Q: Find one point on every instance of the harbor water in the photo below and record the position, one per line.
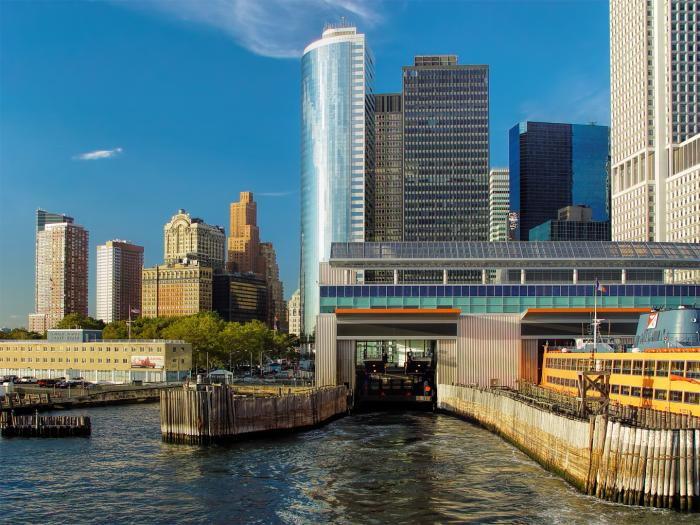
(368, 468)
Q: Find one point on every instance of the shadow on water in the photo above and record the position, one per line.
(372, 467)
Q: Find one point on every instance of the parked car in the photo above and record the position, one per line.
(47, 382)
(10, 379)
(28, 380)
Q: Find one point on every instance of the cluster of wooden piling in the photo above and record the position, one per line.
(632, 455)
(44, 426)
(217, 413)
(15, 401)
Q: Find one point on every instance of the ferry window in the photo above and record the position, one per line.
(626, 367)
(692, 397)
(660, 395)
(607, 365)
(662, 368)
(647, 393)
(625, 390)
(693, 369)
(636, 368)
(676, 396)
(616, 366)
(678, 368)
(636, 391)
(649, 368)
(615, 389)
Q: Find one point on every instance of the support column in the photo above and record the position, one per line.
(575, 276)
(444, 277)
(396, 276)
(484, 276)
(623, 279)
(522, 276)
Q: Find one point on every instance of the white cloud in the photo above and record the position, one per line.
(273, 28)
(99, 154)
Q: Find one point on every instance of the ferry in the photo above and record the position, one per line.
(661, 370)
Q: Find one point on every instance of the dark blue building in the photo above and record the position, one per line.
(555, 165)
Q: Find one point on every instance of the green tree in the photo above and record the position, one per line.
(76, 320)
(202, 331)
(20, 334)
(116, 330)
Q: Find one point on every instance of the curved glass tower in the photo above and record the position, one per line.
(337, 73)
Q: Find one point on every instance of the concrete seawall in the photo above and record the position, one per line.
(609, 459)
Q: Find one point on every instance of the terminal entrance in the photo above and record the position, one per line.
(399, 372)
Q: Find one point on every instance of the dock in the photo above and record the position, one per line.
(44, 426)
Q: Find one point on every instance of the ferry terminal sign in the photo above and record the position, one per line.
(147, 361)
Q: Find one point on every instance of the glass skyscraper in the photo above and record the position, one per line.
(555, 165)
(337, 73)
(446, 150)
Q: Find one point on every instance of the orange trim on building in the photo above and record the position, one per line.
(398, 311)
(606, 310)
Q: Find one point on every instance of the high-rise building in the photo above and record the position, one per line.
(191, 238)
(337, 74)
(554, 165)
(294, 314)
(244, 235)
(118, 280)
(446, 150)
(61, 271)
(573, 224)
(176, 289)
(655, 120)
(388, 168)
(241, 297)
(499, 204)
(277, 315)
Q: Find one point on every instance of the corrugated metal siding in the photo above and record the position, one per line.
(346, 363)
(488, 349)
(446, 361)
(326, 355)
(528, 360)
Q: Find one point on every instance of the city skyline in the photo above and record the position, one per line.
(87, 132)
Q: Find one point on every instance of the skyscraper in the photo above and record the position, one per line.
(388, 168)
(118, 280)
(446, 150)
(244, 235)
(555, 165)
(337, 73)
(499, 204)
(277, 315)
(655, 120)
(61, 270)
(191, 238)
(176, 289)
(294, 314)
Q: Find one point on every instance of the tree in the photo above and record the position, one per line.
(116, 330)
(76, 320)
(202, 331)
(20, 334)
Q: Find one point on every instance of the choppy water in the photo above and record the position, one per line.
(372, 468)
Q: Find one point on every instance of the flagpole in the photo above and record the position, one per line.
(129, 323)
(595, 321)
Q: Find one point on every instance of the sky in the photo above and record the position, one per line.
(119, 113)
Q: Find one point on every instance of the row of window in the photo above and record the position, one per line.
(37, 348)
(635, 367)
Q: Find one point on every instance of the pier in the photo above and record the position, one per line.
(44, 426)
(212, 413)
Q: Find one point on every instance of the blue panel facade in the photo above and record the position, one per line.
(590, 158)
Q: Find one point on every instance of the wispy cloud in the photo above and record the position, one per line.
(275, 193)
(99, 154)
(273, 28)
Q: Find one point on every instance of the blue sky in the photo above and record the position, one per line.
(193, 102)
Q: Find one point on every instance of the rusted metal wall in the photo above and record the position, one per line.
(488, 350)
(528, 360)
(446, 361)
(326, 353)
(346, 363)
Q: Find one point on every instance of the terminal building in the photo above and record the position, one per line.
(83, 353)
(492, 330)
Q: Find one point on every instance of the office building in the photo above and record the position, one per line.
(294, 314)
(573, 224)
(553, 165)
(191, 238)
(277, 314)
(61, 271)
(388, 168)
(176, 289)
(446, 150)
(244, 235)
(118, 281)
(337, 134)
(241, 297)
(655, 106)
(499, 204)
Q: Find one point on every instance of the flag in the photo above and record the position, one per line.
(599, 287)
(681, 378)
(135, 311)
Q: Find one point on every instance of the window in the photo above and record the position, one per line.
(615, 389)
(636, 368)
(693, 370)
(660, 395)
(647, 393)
(616, 366)
(636, 391)
(625, 390)
(626, 367)
(692, 398)
(676, 396)
(662, 369)
(678, 368)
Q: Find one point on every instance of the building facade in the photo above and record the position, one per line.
(446, 150)
(117, 361)
(337, 74)
(499, 204)
(574, 223)
(388, 168)
(241, 297)
(553, 165)
(176, 290)
(244, 235)
(277, 308)
(655, 111)
(118, 280)
(191, 238)
(294, 314)
(61, 271)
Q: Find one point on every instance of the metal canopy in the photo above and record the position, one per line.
(515, 254)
